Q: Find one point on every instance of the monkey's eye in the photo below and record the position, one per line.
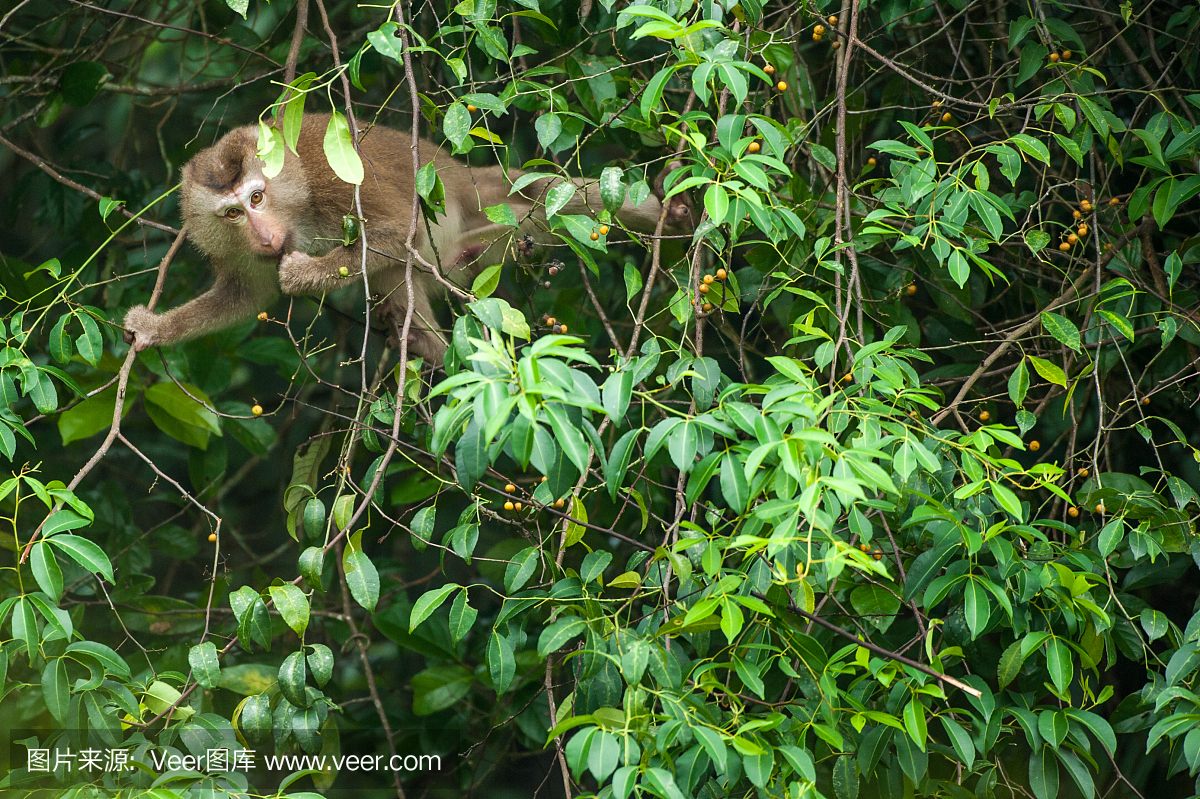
(233, 213)
(256, 197)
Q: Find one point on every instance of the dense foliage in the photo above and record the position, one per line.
(882, 483)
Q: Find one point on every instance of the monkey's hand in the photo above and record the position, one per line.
(141, 328)
(301, 273)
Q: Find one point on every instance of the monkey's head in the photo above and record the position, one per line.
(233, 211)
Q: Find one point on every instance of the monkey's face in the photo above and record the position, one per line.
(233, 211)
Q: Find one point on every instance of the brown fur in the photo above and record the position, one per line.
(270, 246)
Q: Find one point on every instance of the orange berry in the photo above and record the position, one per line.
(1072, 511)
(782, 86)
(262, 316)
(849, 376)
(1034, 446)
(543, 478)
(818, 29)
(754, 147)
(832, 20)
(870, 162)
(708, 279)
(1145, 400)
(1115, 201)
(595, 236)
(604, 230)
(1066, 55)
(817, 37)
(877, 555)
(1072, 239)
(937, 103)
(562, 328)
(1076, 214)
(1082, 230)
(471, 108)
(836, 45)
(864, 547)
(910, 289)
(704, 288)
(1054, 58)
(508, 489)
(508, 505)
(946, 117)
(1082, 472)
(1064, 247)
(722, 274)
(212, 538)
(1100, 508)
(257, 410)
(770, 70)
(985, 415)
(706, 307)
(518, 506)
(1085, 206)
(560, 502)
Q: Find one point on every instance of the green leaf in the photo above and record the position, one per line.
(559, 196)
(1033, 56)
(292, 605)
(339, 150)
(612, 188)
(1062, 329)
(429, 602)
(501, 663)
(618, 461)
(180, 416)
(1032, 147)
(206, 667)
(1036, 240)
(85, 553)
(488, 280)
(462, 617)
(501, 214)
(594, 564)
(1048, 371)
(362, 578)
(1059, 664)
(559, 633)
(617, 391)
(46, 570)
(1119, 322)
(1018, 384)
(439, 687)
(1043, 773)
(55, 689)
(548, 128)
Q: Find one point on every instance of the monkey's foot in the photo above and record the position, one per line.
(141, 328)
(300, 274)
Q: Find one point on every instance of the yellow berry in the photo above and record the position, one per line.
(817, 37)
(1082, 472)
(257, 410)
(1072, 238)
(343, 271)
(1114, 201)
(1145, 400)
(832, 19)
(1082, 231)
(1100, 508)
(708, 279)
(543, 478)
(1085, 206)
(510, 488)
(1066, 55)
(754, 147)
(551, 321)
(1034, 446)
(508, 505)
(1064, 247)
(870, 162)
(1076, 214)
(864, 547)
(595, 236)
(849, 376)
(604, 230)
(471, 108)
(910, 289)
(560, 502)
(836, 45)
(937, 103)
(518, 506)
(1054, 58)
(984, 416)
(818, 29)
(706, 307)
(212, 538)
(767, 68)
(782, 86)
(262, 316)
(722, 274)
(704, 288)
(946, 117)
(877, 555)
(1072, 511)
(562, 328)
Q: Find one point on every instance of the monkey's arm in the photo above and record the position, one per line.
(228, 302)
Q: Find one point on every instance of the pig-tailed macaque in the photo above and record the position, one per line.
(285, 233)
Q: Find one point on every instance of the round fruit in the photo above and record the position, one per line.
(818, 29)
(817, 37)
(595, 236)
(471, 108)
(1072, 238)
(1082, 472)
(770, 70)
(546, 285)
(1076, 214)
(1145, 400)
(1114, 201)
(984, 416)
(706, 307)
(550, 320)
(212, 538)
(849, 376)
(1072, 511)
(864, 547)
(832, 20)
(262, 316)
(553, 271)
(1100, 508)
(604, 230)
(1054, 58)
(543, 478)
(560, 502)
(709, 279)
(870, 162)
(1034, 446)
(1066, 55)
(1064, 247)
(257, 410)
(836, 45)
(946, 117)
(754, 147)
(508, 489)
(562, 328)
(343, 271)
(508, 505)
(722, 274)
(782, 86)
(704, 288)
(937, 103)
(910, 289)
(877, 555)
(518, 506)
(1082, 231)
(1085, 206)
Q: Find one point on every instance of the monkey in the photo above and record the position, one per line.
(265, 236)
